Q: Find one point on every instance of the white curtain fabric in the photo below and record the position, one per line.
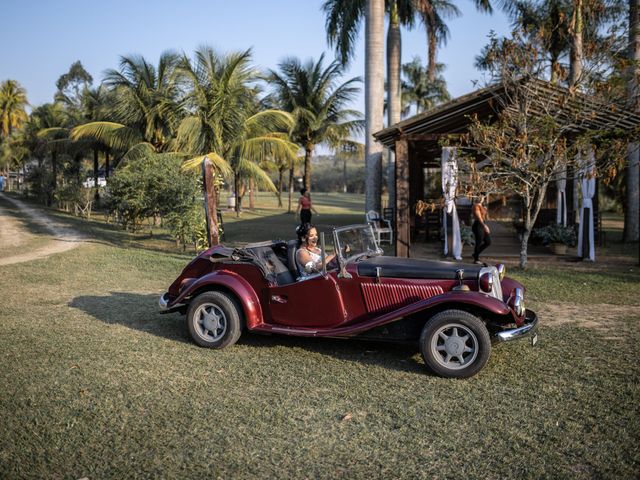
(561, 186)
(449, 185)
(588, 189)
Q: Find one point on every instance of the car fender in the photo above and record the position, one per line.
(234, 283)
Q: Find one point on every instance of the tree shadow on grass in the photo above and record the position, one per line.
(140, 312)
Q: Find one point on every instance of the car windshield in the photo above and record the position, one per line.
(356, 241)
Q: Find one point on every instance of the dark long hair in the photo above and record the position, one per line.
(302, 231)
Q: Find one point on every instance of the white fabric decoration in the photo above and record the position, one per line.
(449, 185)
(561, 186)
(588, 187)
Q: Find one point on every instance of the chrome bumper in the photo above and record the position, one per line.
(164, 300)
(528, 329)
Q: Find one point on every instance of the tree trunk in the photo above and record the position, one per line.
(237, 183)
(280, 186)
(555, 71)
(106, 163)
(252, 187)
(289, 210)
(54, 177)
(394, 94)
(576, 31)
(308, 154)
(433, 48)
(95, 173)
(210, 203)
(374, 99)
(344, 175)
(530, 216)
(632, 210)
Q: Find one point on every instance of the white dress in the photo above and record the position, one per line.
(316, 258)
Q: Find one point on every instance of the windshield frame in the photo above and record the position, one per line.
(356, 256)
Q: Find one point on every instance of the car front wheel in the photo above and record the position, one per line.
(214, 320)
(455, 344)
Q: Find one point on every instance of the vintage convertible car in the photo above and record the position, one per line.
(454, 311)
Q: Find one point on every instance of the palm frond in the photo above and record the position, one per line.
(114, 135)
(249, 169)
(219, 163)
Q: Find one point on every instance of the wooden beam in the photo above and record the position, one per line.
(403, 207)
(429, 137)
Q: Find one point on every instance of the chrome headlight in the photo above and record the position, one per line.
(517, 302)
(502, 270)
(485, 282)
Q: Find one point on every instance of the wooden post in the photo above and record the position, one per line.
(210, 202)
(403, 208)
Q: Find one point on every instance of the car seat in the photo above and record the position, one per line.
(292, 248)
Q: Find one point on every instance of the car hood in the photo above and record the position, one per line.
(396, 267)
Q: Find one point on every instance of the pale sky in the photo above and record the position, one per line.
(41, 39)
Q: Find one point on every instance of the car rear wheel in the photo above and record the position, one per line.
(214, 320)
(455, 344)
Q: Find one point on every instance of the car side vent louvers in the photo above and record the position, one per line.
(381, 297)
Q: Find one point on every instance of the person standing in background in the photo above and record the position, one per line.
(481, 231)
(305, 207)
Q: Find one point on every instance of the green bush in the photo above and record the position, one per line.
(153, 186)
(554, 233)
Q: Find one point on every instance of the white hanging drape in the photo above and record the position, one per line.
(449, 185)
(588, 188)
(561, 186)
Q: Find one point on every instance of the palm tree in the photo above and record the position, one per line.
(420, 90)
(226, 122)
(343, 23)
(374, 92)
(147, 111)
(54, 128)
(433, 14)
(311, 93)
(13, 101)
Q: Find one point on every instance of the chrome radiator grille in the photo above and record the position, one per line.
(379, 297)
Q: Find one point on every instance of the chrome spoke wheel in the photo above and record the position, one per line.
(454, 346)
(210, 322)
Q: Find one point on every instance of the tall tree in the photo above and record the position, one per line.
(316, 99)
(420, 90)
(373, 93)
(632, 210)
(344, 18)
(54, 129)
(148, 111)
(226, 122)
(433, 14)
(72, 88)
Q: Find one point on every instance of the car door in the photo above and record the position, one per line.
(313, 302)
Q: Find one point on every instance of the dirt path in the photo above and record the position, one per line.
(12, 234)
(602, 317)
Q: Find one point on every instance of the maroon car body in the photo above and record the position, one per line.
(455, 311)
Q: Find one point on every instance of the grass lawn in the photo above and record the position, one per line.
(97, 384)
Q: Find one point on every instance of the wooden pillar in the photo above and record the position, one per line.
(403, 208)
